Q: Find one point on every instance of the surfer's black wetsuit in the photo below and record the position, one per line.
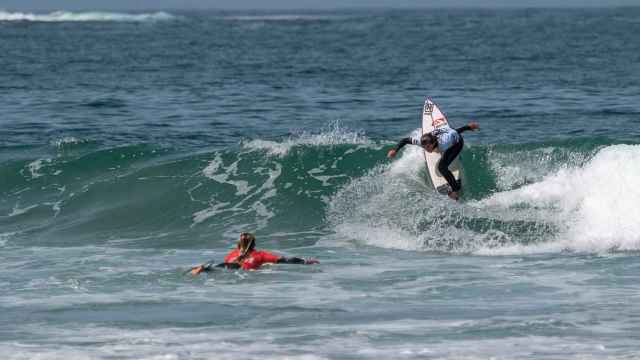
(447, 156)
(446, 160)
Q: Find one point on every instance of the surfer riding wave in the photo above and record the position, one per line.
(445, 140)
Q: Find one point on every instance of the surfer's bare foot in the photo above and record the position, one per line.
(454, 195)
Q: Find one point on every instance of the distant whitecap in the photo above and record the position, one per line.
(68, 16)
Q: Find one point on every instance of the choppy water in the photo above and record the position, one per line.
(134, 146)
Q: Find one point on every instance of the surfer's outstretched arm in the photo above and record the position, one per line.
(470, 126)
(401, 144)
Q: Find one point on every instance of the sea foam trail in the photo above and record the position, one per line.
(383, 207)
(67, 16)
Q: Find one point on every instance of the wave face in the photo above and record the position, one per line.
(84, 194)
(564, 196)
(68, 16)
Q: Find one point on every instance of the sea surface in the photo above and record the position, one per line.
(136, 145)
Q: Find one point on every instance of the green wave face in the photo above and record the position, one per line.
(300, 191)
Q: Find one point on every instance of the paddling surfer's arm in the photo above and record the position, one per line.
(295, 260)
(222, 265)
(235, 266)
(210, 267)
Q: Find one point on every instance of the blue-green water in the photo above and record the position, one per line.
(134, 146)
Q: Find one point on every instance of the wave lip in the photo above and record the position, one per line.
(335, 134)
(68, 16)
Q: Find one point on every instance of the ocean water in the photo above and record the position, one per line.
(136, 145)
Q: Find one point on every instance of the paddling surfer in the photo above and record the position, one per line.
(246, 257)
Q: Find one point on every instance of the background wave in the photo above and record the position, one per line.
(68, 16)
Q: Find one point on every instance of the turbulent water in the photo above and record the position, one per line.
(136, 145)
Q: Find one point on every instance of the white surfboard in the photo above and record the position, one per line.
(433, 118)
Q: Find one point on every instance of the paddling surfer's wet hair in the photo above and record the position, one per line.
(245, 245)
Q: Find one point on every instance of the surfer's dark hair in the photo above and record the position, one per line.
(427, 139)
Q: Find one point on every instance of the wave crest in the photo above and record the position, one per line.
(335, 134)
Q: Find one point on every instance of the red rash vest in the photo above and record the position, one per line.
(253, 260)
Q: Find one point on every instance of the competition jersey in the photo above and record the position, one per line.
(254, 259)
(447, 137)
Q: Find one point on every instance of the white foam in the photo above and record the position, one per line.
(335, 134)
(324, 179)
(590, 207)
(517, 168)
(382, 236)
(212, 167)
(35, 166)
(242, 186)
(213, 210)
(256, 206)
(268, 191)
(55, 206)
(595, 205)
(20, 211)
(6, 236)
(68, 16)
(272, 147)
(232, 342)
(68, 141)
(384, 207)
